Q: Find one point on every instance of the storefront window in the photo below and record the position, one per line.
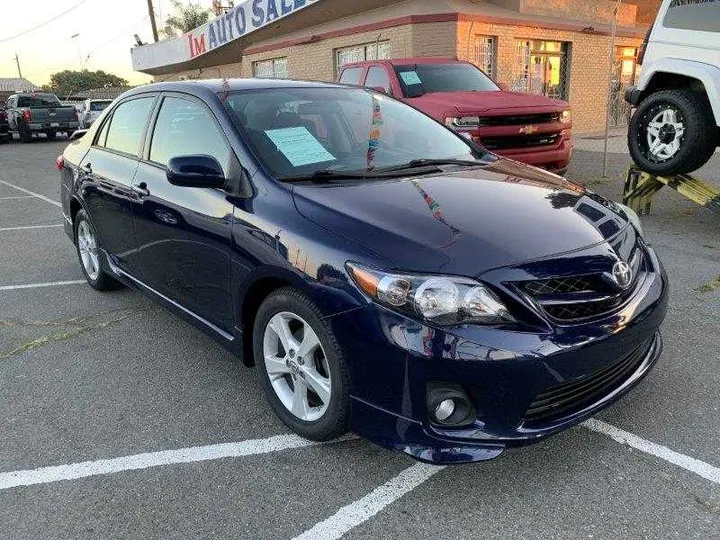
(624, 72)
(275, 68)
(361, 53)
(485, 54)
(542, 67)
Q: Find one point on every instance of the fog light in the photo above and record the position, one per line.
(444, 410)
(448, 405)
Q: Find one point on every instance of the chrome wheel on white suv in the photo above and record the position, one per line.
(672, 132)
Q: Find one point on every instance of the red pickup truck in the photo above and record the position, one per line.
(527, 127)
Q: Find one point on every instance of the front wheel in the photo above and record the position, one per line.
(670, 132)
(89, 255)
(301, 366)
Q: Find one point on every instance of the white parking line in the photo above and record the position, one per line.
(46, 475)
(17, 197)
(707, 471)
(39, 285)
(30, 227)
(355, 513)
(43, 197)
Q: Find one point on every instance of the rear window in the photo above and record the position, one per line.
(429, 78)
(351, 76)
(693, 15)
(99, 105)
(38, 101)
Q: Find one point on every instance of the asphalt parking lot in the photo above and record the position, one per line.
(119, 420)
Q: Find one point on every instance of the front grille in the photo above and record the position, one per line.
(519, 120)
(561, 285)
(572, 299)
(518, 141)
(567, 398)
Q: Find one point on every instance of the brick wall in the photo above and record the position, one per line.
(588, 64)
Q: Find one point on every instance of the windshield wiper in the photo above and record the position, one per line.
(325, 175)
(415, 163)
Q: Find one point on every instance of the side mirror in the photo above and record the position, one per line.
(195, 171)
(504, 87)
(77, 134)
(383, 90)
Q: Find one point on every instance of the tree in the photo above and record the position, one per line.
(187, 17)
(70, 82)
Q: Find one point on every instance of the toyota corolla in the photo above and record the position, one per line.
(383, 274)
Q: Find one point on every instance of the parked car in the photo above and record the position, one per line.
(90, 111)
(4, 126)
(383, 273)
(32, 113)
(676, 126)
(530, 128)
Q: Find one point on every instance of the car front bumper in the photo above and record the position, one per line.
(392, 359)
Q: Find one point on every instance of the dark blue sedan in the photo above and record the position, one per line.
(383, 274)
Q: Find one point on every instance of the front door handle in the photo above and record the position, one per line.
(141, 189)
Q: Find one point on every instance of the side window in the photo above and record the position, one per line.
(127, 125)
(103, 133)
(702, 16)
(351, 75)
(185, 128)
(377, 77)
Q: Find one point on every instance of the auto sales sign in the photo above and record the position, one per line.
(237, 22)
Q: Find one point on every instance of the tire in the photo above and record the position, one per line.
(659, 119)
(51, 135)
(97, 278)
(324, 365)
(5, 139)
(25, 134)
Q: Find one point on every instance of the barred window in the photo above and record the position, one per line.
(361, 53)
(542, 67)
(485, 54)
(275, 68)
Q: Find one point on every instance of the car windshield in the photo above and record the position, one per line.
(99, 105)
(38, 101)
(421, 79)
(302, 132)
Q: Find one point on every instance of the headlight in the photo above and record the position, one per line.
(566, 116)
(462, 122)
(633, 217)
(444, 300)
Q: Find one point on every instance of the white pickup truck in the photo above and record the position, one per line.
(676, 126)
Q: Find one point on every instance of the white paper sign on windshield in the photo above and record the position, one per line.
(410, 77)
(299, 146)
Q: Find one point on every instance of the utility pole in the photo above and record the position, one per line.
(17, 61)
(151, 13)
(613, 32)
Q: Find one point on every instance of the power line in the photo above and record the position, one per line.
(3, 40)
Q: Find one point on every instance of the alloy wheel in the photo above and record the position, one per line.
(297, 366)
(87, 245)
(665, 134)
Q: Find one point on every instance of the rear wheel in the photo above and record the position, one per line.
(669, 132)
(301, 366)
(25, 134)
(89, 255)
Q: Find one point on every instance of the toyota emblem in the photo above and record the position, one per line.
(622, 274)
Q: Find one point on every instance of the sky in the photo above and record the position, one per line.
(105, 29)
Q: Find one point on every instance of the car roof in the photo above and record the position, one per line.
(408, 61)
(205, 86)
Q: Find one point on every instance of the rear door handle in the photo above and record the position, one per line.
(141, 189)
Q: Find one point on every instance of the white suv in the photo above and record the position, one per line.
(675, 127)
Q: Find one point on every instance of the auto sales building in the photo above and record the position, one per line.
(560, 48)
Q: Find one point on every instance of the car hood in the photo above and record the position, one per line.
(479, 103)
(465, 222)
